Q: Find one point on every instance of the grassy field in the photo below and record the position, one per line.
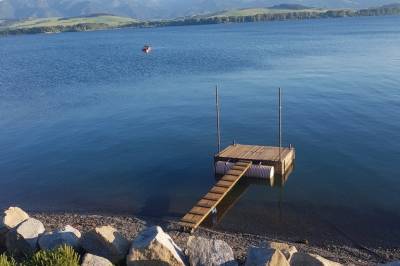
(111, 21)
(260, 11)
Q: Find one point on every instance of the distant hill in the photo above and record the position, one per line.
(106, 21)
(290, 7)
(55, 24)
(287, 12)
(160, 9)
(245, 12)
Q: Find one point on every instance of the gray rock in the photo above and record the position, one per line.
(259, 256)
(9, 219)
(306, 259)
(12, 217)
(286, 250)
(23, 239)
(204, 252)
(93, 260)
(154, 247)
(67, 236)
(106, 242)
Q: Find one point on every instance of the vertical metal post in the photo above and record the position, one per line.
(218, 117)
(280, 122)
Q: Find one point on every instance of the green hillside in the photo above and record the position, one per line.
(54, 24)
(105, 21)
(112, 21)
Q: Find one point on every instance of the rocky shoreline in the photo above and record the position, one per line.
(132, 228)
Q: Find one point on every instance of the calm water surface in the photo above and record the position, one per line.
(88, 123)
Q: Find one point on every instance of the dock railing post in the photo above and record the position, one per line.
(280, 123)
(218, 117)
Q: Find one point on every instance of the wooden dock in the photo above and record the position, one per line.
(280, 158)
(210, 201)
(258, 161)
(243, 157)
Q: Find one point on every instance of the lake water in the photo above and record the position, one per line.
(89, 123)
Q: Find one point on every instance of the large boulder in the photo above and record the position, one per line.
(302, 259)
(260, 256)
(204, 252)
(9, 219)
(106, 242)
(12, 217)
(23, 240)
(286, 250)
(67, 236)
(154, 247)
(93, 260)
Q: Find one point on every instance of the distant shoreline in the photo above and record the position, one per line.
(86, 23)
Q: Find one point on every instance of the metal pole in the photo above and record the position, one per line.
(280, 122)
(218, 122)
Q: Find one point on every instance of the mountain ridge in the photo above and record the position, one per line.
(107, 21)
(157, 9)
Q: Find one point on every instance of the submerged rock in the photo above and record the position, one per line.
(93, 260)
(260, 256)
(154, 247)
(106, 242)
(67, 236)
(23, 240)
(209, 252)
(302, 259)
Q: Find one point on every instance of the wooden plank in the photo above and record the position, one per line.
(250, 152)
(218, 190)
(242, 164)
(226, 150)
(234, 172)
(192, 218)
(239, 168)
(229, 178)
(242, 151)
(253, 153)
(205, 203)
(258, 152)
(222, 183)
(212, 196)
(199, 210)
(237, 151)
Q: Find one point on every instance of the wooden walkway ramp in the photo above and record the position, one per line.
(205, 206)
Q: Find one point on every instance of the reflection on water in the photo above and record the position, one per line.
(275, 217)
(233, 197)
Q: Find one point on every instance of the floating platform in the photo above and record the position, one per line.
(243, 157)
(280, 158)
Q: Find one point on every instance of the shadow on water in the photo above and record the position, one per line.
(277, 218)
(234, 196)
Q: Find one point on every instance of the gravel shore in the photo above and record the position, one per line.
(130, 226)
